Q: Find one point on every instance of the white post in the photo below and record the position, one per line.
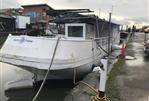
(103, 77)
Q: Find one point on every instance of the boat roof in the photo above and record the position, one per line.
(36, 5)
(63, 16)
(67, 11)
(68, 15)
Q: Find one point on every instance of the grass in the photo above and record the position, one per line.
(112, 89)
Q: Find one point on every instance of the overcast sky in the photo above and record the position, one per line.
(124, 11)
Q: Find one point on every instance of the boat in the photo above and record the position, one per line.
(71, 45)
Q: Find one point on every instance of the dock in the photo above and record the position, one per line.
(87, 89)
(82, 92)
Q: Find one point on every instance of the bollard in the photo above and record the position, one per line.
(122, 54)
(103, 78)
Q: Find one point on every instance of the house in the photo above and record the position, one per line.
(37, 14)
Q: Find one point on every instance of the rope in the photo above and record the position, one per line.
(105, 51)
(91, 87)
(74, 76)
(96, 98)
(44, 80)
(74, 81)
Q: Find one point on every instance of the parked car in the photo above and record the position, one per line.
(146, 30)
(146, 49)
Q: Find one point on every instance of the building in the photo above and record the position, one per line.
(37, 13)
(7, 23)
(11, 20)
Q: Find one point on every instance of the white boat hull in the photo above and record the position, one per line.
(34, 54)
(64, 73)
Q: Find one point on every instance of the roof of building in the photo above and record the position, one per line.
(33, 5)
(6, 17)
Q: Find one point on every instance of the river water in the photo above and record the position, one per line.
(54, 90)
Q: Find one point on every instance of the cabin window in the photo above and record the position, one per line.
(75, 31)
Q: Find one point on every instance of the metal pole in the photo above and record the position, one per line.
(109, 34)
(97, 27)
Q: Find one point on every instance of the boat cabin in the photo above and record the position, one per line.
(75, 24)
(71, 24)
(75, 31)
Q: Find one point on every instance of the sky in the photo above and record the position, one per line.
(125, 12)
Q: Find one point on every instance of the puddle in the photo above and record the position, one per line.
(136, 62)
(130, 58)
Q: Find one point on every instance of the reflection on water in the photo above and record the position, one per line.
(20, 95)
(54, 90)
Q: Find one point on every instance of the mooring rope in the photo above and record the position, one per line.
(97, 98)
(44, 80)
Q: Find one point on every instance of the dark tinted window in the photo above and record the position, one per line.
(75, 31)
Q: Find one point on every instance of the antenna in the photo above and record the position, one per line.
(109, 34)
(99, 12)
(112, 8)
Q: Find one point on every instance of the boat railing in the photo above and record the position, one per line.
(103, 41)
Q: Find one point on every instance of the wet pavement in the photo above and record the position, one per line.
(134, 84)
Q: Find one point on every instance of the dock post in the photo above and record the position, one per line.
(122, 54)
(103, 78)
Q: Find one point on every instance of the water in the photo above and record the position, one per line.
(54, 90)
